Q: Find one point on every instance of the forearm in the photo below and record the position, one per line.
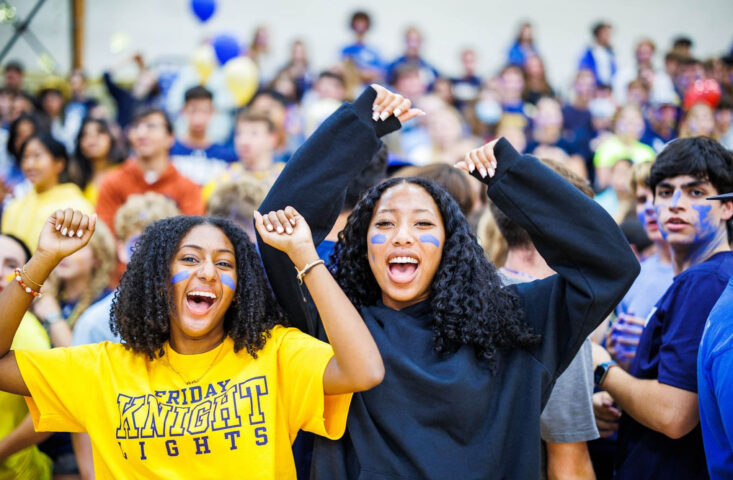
(569, 461)
(60, 334)
(14, 301)
(663, 408)
(83, 452)
(358, 365)
(22, 437)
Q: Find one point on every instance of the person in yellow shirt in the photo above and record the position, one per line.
(43, 161)
(20, 459)
(208, 382)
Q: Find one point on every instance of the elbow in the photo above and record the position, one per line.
(370, 378)
(676, 426)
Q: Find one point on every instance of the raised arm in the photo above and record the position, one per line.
(356, 364)
(575, 236)
(314, 182)
(59, 238)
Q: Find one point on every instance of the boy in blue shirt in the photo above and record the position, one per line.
(659, 434)
(715, 381)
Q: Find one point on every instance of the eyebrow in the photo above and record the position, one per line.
(393, 210)
(196, 247)
(695, 183)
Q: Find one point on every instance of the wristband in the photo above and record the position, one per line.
(51, 319)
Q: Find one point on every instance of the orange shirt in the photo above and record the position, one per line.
(129, 179)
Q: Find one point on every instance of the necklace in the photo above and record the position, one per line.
(196, 380)
(519, 274)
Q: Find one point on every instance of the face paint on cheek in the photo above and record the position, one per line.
(10, 277)
(705, 221)
(427, 238)
(228, 281)
(378, 239)
(179, 277)
(662, 227)
(372, 257)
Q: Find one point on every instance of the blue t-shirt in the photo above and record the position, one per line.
(363, 56)
(653, 280)
(215, 150)
(715, 386)
(667, 352)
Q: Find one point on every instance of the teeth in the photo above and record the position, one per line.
(403, 260)
(203, 294)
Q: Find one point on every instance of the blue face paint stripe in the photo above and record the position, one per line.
(228, 281)
(378, 239)
(179, 277)
(427, 238)
(676, 197)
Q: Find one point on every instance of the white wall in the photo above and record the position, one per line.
(168, 28)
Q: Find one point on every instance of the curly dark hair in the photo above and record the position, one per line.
(143, 303)
(469, 305)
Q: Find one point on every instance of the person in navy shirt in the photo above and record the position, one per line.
(413, 43)
(659, 432)
(366, 59)
(715, 381)
(194, 154)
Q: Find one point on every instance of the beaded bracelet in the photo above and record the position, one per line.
(25, 287)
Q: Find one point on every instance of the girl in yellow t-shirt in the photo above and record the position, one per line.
(43, 161)
(207, 383)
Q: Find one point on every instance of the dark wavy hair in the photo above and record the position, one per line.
(80, 167)
(143, 303)
(469, 305)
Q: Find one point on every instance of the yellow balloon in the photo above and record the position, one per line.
(204, 61)
(242, 79)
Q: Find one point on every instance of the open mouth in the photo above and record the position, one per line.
(200, 302)
(402, 269)
(675, 224)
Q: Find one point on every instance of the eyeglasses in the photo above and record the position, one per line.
(148, 126)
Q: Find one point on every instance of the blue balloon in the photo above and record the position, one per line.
(226, 48)
(203, 9)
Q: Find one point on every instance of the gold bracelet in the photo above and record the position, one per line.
(307, 268)
(40, 285)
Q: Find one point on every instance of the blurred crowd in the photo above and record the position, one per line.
(174, 142)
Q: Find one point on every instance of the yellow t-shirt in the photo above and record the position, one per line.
(29, 463)
(24, 217)
(238, 421)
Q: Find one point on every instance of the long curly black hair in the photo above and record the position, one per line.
(469, 305)
(143, 303)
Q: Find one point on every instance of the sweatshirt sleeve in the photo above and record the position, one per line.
(314, 182)
(578, 240)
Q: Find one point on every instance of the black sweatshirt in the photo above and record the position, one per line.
(447, 417)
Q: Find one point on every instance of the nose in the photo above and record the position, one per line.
(675, 204)
(403, 236)
(207, 270)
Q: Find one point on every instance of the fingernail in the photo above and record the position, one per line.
(58, 227)
(80, 233)
(280, 230)
(491, 172)
(397, 112)
(71, 233)
(375, 116)
(289, 230)
(63, 232)
(482, 171)
(384, 115)
(292, 221)
(375, 106)
(471, 167)
(269, 228)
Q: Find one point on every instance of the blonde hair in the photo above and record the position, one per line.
(640, 175)
(490, 238)
(141, 210)
(237, 198)
(102, 244)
